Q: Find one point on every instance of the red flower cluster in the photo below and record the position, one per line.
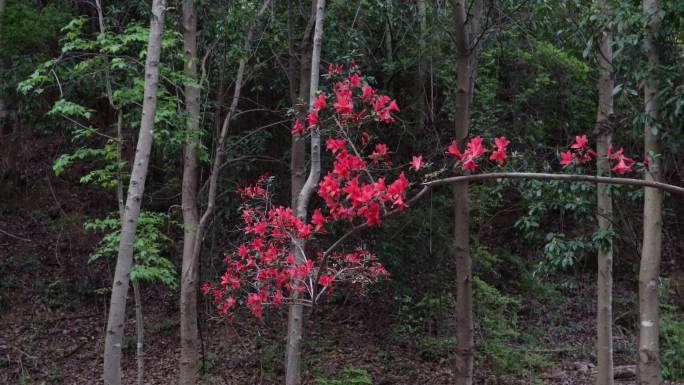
(579, 151)
(475, 149)
(264, 267)
(622, 162)
(353, 98)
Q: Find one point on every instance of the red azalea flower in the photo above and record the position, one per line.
(298, 128)
(417, 162)
(355, 80)
(581, 142)
(566, 158)
(453, 149)
(312, 119)
(325, 280)
(335, 145)
(320, 103)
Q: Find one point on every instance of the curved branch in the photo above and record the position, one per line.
(562, 177)
(427, 186)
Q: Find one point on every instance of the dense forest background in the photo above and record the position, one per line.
(72, 80)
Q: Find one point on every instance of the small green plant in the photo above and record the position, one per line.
(128, 342)
(504, 342)
(349, 376)
(671, 338)
(424, 316)
(208, 362)
(437, 349)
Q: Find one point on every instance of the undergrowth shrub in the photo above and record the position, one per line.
(349, 376)
(503, 341)
(671, 338)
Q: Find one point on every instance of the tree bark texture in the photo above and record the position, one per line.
(604, 206)
(298, 157)
(465, 61)
(422, 66)
(124, 262)
(293, 350)
(189, 334)
(139, 332)
(648, 345)
(3, 108)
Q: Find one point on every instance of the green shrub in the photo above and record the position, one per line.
(349, 376)
(437, 349)
(504, 344)
(671, 338)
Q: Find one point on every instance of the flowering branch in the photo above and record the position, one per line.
(562, 177)
(427, 186)
(270, 267)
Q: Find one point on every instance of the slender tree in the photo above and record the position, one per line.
(422, 65)
(604, 130)
(465, 62)
(189, 335)
(3, 110)
(136, 187)
(293, 351)
(195, 226)
(298, 157)
(648, 346)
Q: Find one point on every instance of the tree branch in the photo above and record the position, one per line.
(427, 186)
(562, 177)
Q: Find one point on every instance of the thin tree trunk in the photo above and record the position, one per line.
(292, 77)
(189, 335)
(293, 351)
(298, 157)
(124, 262)
(464, 289)
(119, 155)
(649, 351)
(3, 108)
(604, 206)
(389, 47)
(422, 66)
(139, 331)
(225, 128)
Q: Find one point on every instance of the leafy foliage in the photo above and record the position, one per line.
(349, 376)
(671, 337)
(150, 246)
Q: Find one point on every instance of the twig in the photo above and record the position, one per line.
(15, 236)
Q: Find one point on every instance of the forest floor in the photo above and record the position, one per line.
(49, 335)
(42, 345)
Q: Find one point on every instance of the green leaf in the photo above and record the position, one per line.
(70, 109)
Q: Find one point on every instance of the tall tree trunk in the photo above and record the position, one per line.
(649, 353)
(293, 351)
(298, 157)
(389, 47)
(604, 203)
(124, 262)
(3, 108)
(464, 290)
(139, 332)
(189, 335)
(422, 66)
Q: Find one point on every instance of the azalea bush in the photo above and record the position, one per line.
(357, 190)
